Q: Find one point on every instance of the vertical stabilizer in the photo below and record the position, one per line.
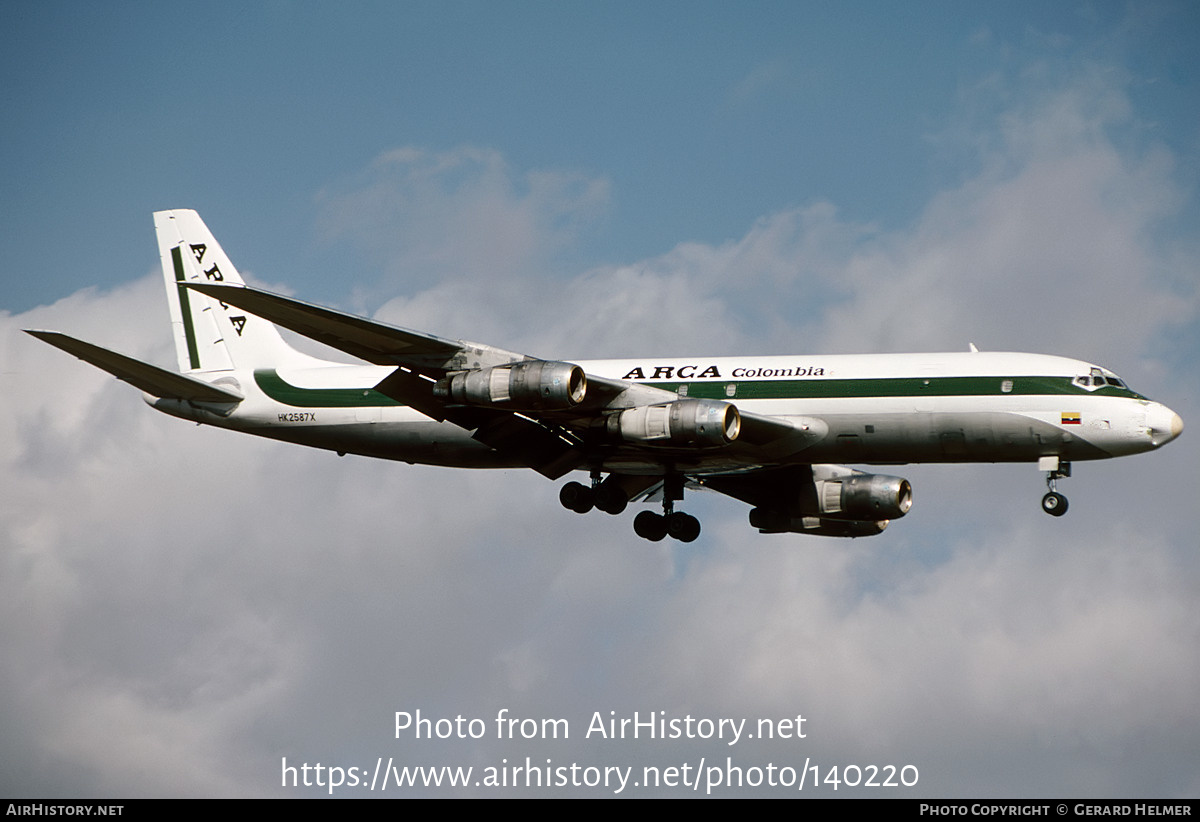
(211, 335)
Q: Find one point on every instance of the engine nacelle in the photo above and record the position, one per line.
(864, 497)
(776, 522)
(535, 385)
(703, 423)
(836, 502)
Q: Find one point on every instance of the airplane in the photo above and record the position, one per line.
(775, 432)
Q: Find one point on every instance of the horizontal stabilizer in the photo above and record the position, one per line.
(151, 379)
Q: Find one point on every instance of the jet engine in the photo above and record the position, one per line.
(862, 496)
(703, 423)
(535, 385)
(828, 500)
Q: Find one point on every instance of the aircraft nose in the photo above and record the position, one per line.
(1164, 424)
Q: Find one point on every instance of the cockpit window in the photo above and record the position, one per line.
(1098, 379)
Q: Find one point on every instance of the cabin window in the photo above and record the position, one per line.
(731, 389)
(683, 389)
(1006, 387)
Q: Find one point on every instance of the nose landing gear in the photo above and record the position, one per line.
(1054, 503)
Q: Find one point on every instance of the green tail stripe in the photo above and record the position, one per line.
(188, 331)
(279, 390)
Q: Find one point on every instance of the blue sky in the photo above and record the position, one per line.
(184, 606)
(702, 117)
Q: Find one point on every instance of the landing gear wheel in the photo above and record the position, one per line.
(649, 525)
(683, 527)
(576, 497)
(610, 499)
(1054, 504)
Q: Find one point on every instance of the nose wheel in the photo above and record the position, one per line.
(1054, 503)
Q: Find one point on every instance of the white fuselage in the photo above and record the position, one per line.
(870, 409)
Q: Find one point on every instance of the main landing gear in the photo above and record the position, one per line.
(606, 496)
(1054, 503)
(673, 524)
(610, 497)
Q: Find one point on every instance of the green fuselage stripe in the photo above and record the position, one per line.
(189, 332)
(915, 387)
(282, 391)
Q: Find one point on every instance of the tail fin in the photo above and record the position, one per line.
(211, 335)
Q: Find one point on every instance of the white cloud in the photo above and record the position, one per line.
(1060, 224)
(460, 216)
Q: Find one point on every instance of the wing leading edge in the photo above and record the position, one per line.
(375, 342)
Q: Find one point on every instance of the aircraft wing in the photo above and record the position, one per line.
(784, 436)
(151, 379)
(377, 343)
(552, 441)
(421, 357)
(544, 445)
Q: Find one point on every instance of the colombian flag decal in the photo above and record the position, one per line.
(1071, 418)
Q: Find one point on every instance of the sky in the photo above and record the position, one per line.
(187, 610)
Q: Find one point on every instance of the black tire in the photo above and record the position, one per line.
(683, 527)
(1054, 504)
(649, 525)
(610, 499)
(576, 497)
